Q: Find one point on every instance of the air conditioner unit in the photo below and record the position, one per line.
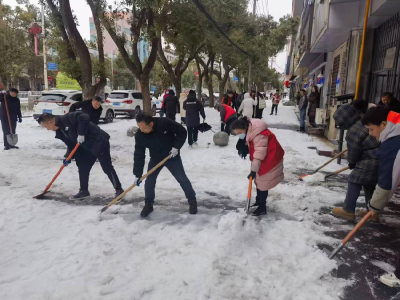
(320, 116)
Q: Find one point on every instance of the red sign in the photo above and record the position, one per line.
(49, 79)
(287, 83)
(35, 29)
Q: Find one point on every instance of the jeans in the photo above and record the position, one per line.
(85, 161)
(262, 198)
(274, 106)
(175, 166)
(193, 133)
(303, 118)
(353, 192)
(171, 116)
(6, 130)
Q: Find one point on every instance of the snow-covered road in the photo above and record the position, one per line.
(53, 250)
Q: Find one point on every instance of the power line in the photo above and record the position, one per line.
(209, 17)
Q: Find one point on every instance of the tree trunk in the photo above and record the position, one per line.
(200, 78)
(178, 85)
(145, 85)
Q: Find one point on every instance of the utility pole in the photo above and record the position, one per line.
(46, 81)
(250, 62)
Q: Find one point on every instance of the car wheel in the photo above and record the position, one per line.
(137, 110)
(154, 110)
(109, 117)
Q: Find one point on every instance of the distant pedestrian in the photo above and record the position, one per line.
(260, 106)
(303, 110)
(228, 116)
(390, 101)
(275, 102)
(182, 99)
(194, 109)
(171, 103)
(313, 101)
(14, 111)
(266, 155)
(247, 106)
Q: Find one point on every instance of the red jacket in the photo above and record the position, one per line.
(226, 112)
(274, 155)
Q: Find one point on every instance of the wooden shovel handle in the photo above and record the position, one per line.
(331, 160)
(8, 114)
(358, 226)
(250, 188)
(337, 172)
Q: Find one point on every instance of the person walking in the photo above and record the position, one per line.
(228, 116)
(313, 104)
(75, 127)
(275, 102)
(194, 109)
(182, 99)
(362, 158)
(162, 137)
(14, 111)
(171, 103)
(303, 110)
(91, 107)
(266, 155)
(247, 106)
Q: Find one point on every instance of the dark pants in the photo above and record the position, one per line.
(274, 106)
(193, 133)
(6, 130)
(227, 127)
(85, 161)
(171, 116)
(353, 192)
(175, 166)
(311, 119)
(183, 120)
(259, 113)
(262, 198)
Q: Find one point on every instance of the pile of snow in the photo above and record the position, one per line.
(317, 177)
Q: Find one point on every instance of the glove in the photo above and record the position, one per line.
(352, 166)
(137, 181)
(20, 120)
(174, 152)
(66, 163)
(252, 175)
(81, 139)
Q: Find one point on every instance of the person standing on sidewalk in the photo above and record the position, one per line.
(314, 104)
(162, 137)
(275, 102)
(171, 103)
(14, 110)
(362, 158)
(194, 109)
(303, 110)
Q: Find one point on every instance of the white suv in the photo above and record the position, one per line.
(128, 102)
(59, 102)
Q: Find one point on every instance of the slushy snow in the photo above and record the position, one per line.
(317, 177)
(53, 250)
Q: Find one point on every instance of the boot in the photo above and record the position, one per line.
(363, 212)
(147, 209)
(81, 195)
(7, 148)
(257, 203)
(341, 213)
(390, 280)
(261, 210)
(118, 192)
(193, 208)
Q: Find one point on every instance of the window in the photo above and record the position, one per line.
(92, 26)
(53, 97)
(128, 31)
(93, 38)
(118, 95)
(137, 96)
(118, 28)
(77, 97)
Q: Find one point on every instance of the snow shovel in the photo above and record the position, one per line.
(336, 172)
(133, 185)
(348, 237)
(249, 195)
(12, 138)
(325, 164)
(58, 173)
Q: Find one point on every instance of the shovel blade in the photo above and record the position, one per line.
(41, 196)
(12, 139)
(329, 253)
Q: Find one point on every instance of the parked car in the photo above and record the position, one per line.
(128, 102)
(59, 102)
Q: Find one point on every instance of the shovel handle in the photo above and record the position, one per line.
(336, 172)
(8, 114)
(358, 226)
(62, 168)
(331, 160)
(133, 185)
(249, 194)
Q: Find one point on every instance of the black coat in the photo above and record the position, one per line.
(393, 106)
(194, 109)
(88, 108)
(78, 123)
(171, 103)
(166, 134)
(14, 108)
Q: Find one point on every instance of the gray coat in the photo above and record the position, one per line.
(303, 102)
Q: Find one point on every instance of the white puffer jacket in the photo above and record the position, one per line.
(247, 106)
